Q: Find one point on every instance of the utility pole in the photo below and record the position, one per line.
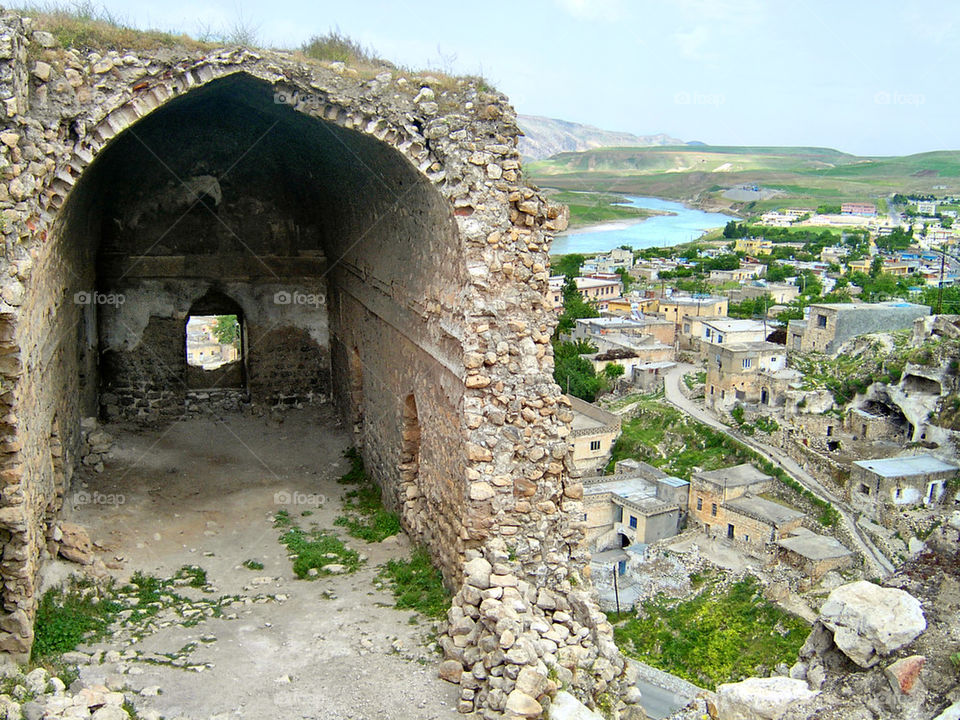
(616, 589)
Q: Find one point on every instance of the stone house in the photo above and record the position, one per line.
(780, 293)
(594, 430)
(555, 291)
(899, 482)
(742, 372)
(637, 505)
(828, 325)
(678, 309)
(814, 554)
(594, 328)
(726, 503)
(720, 331)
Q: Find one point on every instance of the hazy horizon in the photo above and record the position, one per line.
(866, 78)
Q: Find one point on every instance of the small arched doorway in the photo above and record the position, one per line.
(764, 396)
(214, 344)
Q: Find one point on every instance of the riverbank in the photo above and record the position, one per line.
(670, 223)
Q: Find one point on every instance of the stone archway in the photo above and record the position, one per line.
(417, 244)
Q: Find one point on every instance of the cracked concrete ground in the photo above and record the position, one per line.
(204, 492)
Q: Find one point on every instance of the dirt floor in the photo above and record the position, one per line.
(204, 492)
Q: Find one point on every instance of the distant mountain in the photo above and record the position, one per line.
(544, 137)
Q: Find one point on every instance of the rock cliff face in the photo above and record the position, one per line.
(543, 137)
(375, 235)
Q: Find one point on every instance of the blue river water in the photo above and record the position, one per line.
(684, 225)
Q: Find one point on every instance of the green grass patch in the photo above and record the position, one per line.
(416, 584)
(716, 636)
(67, 616)
(253, 564)
(691, 380)
(195, 576)
(315, 550)
(364, 515)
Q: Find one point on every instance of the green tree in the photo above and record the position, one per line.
(574, 308)
(613, 371)
(876, 266)
(568, 265)
(227, 329)
(575, 374)
(625, 278)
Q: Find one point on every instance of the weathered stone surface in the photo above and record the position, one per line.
(75, 544)
(904, 674)
(450, 670)
(869, 621)
(760, 698)
(566, 707)
(523, 705)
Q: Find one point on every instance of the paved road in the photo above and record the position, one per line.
(657, 702)
(875, 559)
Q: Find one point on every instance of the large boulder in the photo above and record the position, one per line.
(760, 698)
(566, 707)
(75, 544)
(869, 621)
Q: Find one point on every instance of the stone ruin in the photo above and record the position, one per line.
(338, 213)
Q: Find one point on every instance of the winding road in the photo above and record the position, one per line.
(875, 559)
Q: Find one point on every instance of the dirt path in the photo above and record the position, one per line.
(204, 492)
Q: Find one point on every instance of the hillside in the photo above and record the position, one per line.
(544, 137)
(710, 175)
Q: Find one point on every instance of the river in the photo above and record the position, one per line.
(682, 225)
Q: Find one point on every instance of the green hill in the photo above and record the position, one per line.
(787, 176)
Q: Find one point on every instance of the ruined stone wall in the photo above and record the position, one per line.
(436, 326)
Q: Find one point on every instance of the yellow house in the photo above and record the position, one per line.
(753, 246)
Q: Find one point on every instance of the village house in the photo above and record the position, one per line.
(677, 309)
(813, 554)
(635, 506)
(592, 329)
(746, 271)
(593, 432)
(780, 293)
(834, 254)
(727, 503)
(899, 481)
(829, 325)
(753, 246)
(594, 289)
(740, 372)
(720, 331)
(555, 291)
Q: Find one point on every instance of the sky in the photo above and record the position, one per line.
(869, 77)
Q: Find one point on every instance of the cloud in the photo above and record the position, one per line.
(606, 10)
(692, 44)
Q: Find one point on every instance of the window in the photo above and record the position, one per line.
(686, 328)
(633, 521)
(584, 517)
(746, 538)
(821, 321)
(699, 503)
(864, 489)
(713, 509)
(747, 362)
(829, 430)
(897, 493)
(707, 332)
(594, 444)
(730, 531)
(711, 389)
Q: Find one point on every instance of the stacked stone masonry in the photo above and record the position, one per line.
(343, 214)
